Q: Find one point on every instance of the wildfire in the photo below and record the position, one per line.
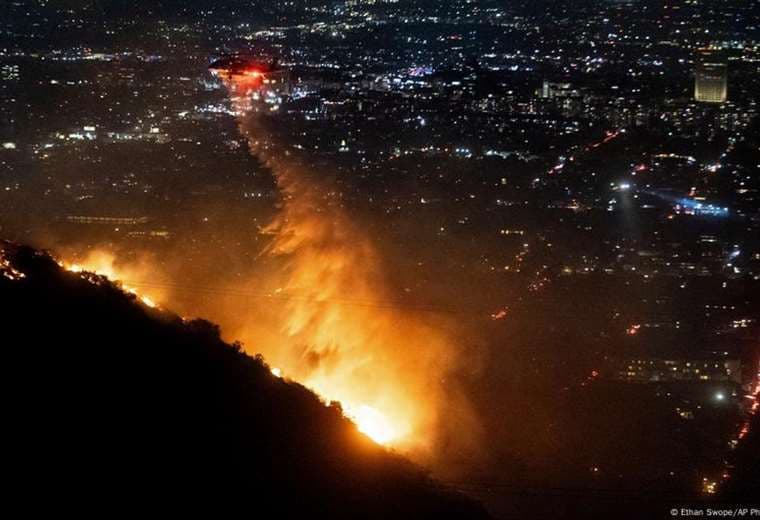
(388, 368)
(369, 420)
(103, 263)
(8, 270)
(374, 424)
(384, 366)
(149, 302)
(386, 420)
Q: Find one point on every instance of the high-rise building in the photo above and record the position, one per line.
(550, 90)
(711, 79)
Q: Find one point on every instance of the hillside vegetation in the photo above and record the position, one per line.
(113, 405)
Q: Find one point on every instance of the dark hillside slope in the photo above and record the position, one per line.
(111, 404)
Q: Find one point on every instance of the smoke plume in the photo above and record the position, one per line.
(341, 335)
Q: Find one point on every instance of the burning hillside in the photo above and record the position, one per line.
(136, 405)
(389, 368)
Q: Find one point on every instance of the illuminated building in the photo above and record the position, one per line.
(652, 370)
(111, 221)
(550, 90)
(711, 79)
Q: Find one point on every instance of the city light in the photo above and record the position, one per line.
(492, 241)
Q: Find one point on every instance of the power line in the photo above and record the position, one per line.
(482, 312)
(394, 305)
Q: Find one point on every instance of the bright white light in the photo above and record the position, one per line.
(720, 396)
(373, 424)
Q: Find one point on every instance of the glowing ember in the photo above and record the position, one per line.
(8, 270)
(276, 372)
(500, 314)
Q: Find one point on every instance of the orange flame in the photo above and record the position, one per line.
(385, 366)
(103, 263)
(333, 329)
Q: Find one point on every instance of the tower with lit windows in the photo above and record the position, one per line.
(711, 79)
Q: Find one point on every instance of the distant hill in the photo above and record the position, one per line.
(112, 406)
